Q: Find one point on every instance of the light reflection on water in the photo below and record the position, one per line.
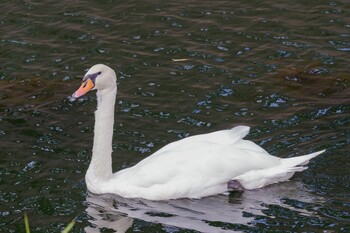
(279, 67)
(221, 213)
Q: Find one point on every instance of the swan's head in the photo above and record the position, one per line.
(99, 77)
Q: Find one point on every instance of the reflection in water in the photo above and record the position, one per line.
(104, 218)
(220, 213)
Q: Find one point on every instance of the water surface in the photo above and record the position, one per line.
(184, 68)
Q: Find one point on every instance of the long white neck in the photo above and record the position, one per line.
(100, 168)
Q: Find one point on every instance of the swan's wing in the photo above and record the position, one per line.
(194, 167)
(223, 137)
(202, 165)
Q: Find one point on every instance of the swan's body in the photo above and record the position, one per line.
(193, 167)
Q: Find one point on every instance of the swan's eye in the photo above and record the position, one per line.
(99, 73)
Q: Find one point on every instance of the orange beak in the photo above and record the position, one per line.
(84, 88)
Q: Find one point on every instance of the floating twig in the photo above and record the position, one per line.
(179, 59)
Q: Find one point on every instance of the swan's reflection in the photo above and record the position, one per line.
(117, 213)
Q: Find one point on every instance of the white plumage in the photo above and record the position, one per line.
(193, 167)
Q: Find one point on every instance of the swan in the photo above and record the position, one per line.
(193, 167)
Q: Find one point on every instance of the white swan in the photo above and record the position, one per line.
(193, 167)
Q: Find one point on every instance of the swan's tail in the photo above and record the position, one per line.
(300, 160)
(283, 172)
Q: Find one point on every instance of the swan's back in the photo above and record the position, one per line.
(222, 137)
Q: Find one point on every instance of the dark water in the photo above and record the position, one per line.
(281, 67)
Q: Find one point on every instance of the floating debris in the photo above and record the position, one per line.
(179, 59)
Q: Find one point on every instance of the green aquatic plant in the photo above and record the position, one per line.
(67, 229)
(26, 223)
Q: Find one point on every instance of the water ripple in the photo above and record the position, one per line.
(183, 68)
